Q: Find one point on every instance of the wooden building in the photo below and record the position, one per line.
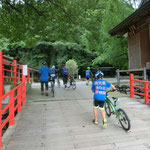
(136, 28)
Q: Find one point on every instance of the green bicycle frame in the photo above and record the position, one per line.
(113, 107)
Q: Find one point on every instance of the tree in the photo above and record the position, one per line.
(76, 25)
(72, 67)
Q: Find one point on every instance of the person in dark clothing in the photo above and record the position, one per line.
(53, 72)
(65, 73)
(44, 74)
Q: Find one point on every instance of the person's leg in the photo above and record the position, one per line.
(87, 81)
(42, 87)
(95, 121)
(65, 80)
(46, 87)
(95, 113)
(54, 80)
(102, 110)
(103, 113)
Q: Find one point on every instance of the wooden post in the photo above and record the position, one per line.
(132, 85)
(145, 74)
(118, 77)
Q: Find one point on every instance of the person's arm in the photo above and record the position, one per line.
(113, 87)
(40, 71)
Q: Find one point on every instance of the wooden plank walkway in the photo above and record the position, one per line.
(65, 123)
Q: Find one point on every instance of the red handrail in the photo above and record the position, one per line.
(18, 99)
(146, 88)
(15, 70)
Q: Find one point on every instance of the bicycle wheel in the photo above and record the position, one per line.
(74, 85)
(124, 119)
(107, 109)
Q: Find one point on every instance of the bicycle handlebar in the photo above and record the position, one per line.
(110, 91)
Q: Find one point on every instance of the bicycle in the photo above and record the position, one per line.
(51, 87)
(71, 83)
(111, 108)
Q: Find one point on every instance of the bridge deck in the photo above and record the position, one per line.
(65, 123)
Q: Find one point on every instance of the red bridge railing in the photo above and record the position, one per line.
(17, 96)
(145, 88)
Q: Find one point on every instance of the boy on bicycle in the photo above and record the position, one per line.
(99, 88)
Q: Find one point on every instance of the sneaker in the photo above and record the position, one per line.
(104, 123)
(95, 122)
(46, 93)
(42, 93)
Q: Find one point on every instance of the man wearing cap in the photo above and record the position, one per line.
(44, 74)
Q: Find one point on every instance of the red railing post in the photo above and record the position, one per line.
(14, 71)
(132, 85)
(0, 123)
(19, 98)
(23, 87)
(28, 75)
(1, 73)
(1, 93)
(11, 109)
(146, 92)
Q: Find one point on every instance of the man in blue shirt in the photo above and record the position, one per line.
(99, 88)
(65, 73)
(44, 74)
(88, 74)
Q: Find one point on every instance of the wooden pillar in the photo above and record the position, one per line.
(145, 74)
(118, 77)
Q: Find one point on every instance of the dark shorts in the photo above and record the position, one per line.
(87, 78)
(98, 103)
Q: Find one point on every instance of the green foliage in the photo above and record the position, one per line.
(58, 30)
(4, 42)
(114, 50)
(72, 67)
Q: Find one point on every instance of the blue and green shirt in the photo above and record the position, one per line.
(100, 87)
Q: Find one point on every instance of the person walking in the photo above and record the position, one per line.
(99, 88)
(65, 73)
(88, 74)
(53, 72)
(44, 74)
